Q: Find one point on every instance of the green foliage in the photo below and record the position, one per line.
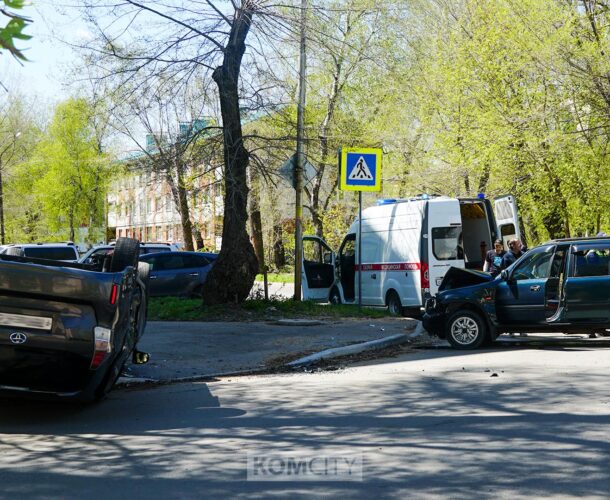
(13, 30)
(277, 277)
(505, 97)
(65, 179)
(180, 309)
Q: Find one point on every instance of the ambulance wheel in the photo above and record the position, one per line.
(466, 330)
(334, 297)
(393, 302)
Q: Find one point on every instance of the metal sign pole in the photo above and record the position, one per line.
(359, 249)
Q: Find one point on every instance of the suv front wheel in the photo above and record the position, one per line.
(466, 330)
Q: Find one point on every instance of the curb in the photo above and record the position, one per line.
(133, 381)
(372, 345)
(298, 322)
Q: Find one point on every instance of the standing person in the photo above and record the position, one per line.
(493, 259)
(515, 248)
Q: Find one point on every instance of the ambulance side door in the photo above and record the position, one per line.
(318, 269)
(507, 218)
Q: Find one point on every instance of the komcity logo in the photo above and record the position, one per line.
(296, 467)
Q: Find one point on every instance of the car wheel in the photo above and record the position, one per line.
(335, 297)
(466, 330)
(394, 305)
(126, 253)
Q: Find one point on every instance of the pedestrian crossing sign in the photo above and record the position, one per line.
(360, 169)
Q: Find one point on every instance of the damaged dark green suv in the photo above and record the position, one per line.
(561, 286)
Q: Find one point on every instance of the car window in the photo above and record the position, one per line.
(169, 260)
(195, 261)
(534, 266)
(102, 251)
(147, 250)
(312, 251)
(53, 253)
(152, 262)
(445, 242)
(593, 261)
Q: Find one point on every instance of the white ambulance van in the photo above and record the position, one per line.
(407, 247)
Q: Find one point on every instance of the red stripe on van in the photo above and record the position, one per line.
(394, 266)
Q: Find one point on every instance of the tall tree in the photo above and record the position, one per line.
(67, 173)
(196, 41)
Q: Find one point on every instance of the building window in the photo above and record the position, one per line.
(149, 205)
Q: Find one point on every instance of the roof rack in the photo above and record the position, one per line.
(581, 238)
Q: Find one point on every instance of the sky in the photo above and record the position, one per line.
(44, 74)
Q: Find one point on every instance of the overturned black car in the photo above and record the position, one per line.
(67, 329)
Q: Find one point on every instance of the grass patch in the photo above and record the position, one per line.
(181, 309)
(277, 277)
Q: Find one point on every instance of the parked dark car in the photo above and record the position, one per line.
(98, 252)
(51, 251)
(178, 273)
(67, 329)
(561, 286)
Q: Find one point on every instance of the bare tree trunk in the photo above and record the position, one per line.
(199, 243)
(256, 224)
(279, 253)
(226, 282)
(71, 217)
(2, 232)
(180, 196)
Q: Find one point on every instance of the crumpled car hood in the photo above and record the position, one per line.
(460, 278)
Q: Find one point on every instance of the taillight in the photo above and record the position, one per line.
(114, 293)
(103, 346)
(425, 275)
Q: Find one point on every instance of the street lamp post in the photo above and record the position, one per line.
(300, 161)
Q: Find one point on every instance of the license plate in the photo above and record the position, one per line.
(24, 321)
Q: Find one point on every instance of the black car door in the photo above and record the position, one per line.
(586, 293)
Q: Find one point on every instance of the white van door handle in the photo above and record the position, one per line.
(373, 276)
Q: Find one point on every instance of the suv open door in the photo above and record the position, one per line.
(318, 270)
(507, 218)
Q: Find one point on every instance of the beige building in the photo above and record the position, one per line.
(141, 205)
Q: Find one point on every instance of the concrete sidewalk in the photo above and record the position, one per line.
(197, 349)
(275, 290)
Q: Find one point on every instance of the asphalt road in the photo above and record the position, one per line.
(504, 423)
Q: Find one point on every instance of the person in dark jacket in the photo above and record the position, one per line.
(493, 259)
(515, 250)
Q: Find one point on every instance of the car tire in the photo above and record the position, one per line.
(334, 297)
(126, 253)
(466, 330)
(393, 303)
